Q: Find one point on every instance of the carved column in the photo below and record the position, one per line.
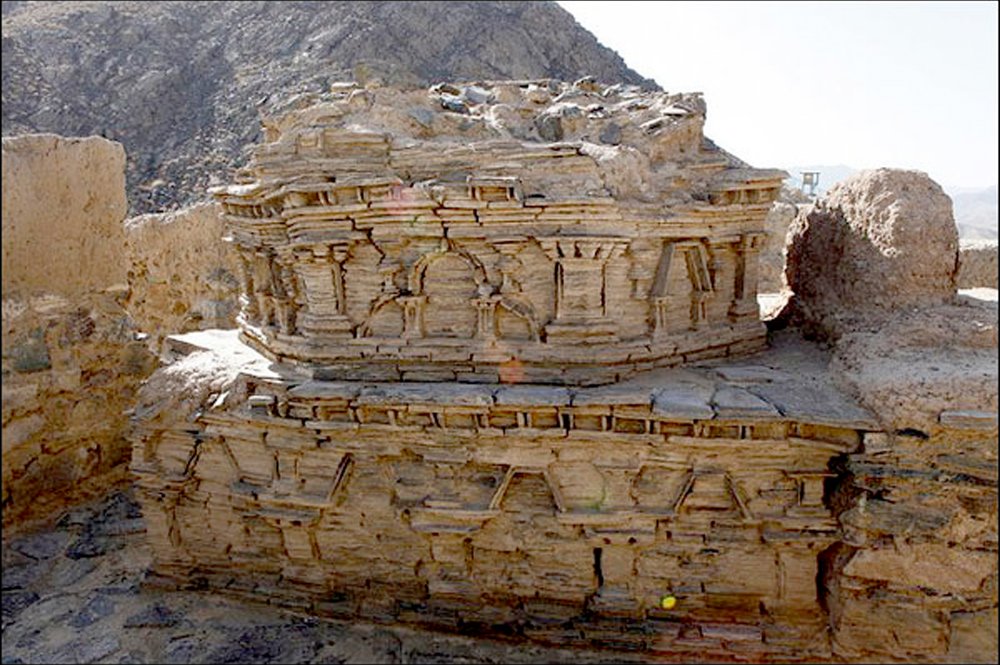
(486, 310)
(320, 272)
(288, 307)
(699, 308)
(642, 266)
(413, 315)
(745, 292)
(248, 299)
(581, 312)
(690, 257)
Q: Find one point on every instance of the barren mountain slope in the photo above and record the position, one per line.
(181, 84)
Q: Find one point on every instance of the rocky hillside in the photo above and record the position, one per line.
(182, 84)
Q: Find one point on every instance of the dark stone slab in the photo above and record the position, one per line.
(42, 545)
(96, 608)
(15, 602)
(155, 616)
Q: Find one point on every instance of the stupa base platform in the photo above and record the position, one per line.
(493, 361)
(683, 511)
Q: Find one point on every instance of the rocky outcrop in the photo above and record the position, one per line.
(977, 264)
(879, 241)
(71, 364)
(182, 275)
(181, 84)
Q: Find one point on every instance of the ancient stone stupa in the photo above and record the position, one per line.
(539, 233)
(445, 280)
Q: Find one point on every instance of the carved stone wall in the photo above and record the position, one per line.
(479, 253)
(563, 514)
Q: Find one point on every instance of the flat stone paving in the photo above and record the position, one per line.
(75, 594)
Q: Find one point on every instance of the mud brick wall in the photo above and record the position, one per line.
(71, 363)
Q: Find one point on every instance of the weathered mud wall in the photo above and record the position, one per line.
(772, 255)
(977, 264)
(182, 276)
(71, 363)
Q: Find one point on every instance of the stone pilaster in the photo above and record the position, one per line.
(581, 311)
(745, 292)
(321, 274)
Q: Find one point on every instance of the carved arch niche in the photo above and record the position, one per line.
(516, 321)
(448, 283)
(681, 288)
(387, 320)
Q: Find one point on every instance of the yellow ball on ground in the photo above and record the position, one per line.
(668, 602)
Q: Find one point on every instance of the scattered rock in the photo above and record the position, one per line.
(22, 576)
(15, 602)
(611, 134)
(549, 128)
(68, 572)
(43, 545)
(98, 607)
(90, 649)
(155, 616)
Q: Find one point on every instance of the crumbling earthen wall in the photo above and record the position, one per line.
(182, 275)
(878, 242)
(772, 256)
(71, 364)
(977, 264)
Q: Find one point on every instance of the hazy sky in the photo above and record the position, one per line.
(866, 84)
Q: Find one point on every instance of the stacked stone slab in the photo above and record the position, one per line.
(463, 301)
(537, 232)
(562, 514)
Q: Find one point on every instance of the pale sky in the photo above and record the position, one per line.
(865, 84)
